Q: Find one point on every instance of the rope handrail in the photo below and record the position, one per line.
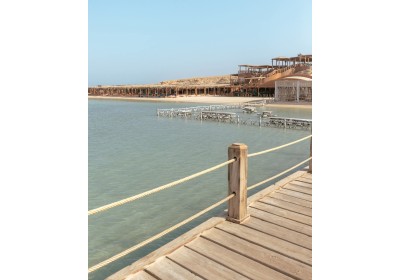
(147, 241)
(172, 228)
(276, 176)
(279, 147)
(163, 187)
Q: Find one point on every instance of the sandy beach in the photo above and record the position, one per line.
(206, 100)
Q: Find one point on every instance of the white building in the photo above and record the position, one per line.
(294, 88)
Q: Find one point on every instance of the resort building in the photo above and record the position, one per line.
(285, 79)
(294, 88)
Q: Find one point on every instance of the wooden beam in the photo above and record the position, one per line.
(237, 183)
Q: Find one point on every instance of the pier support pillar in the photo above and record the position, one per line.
(237, 183)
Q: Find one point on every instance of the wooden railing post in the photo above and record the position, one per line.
(237, 183)
(310, 165)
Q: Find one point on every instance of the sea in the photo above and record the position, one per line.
(131, 150)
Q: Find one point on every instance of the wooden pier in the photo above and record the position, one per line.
(290, 122)
(267, 236)
(213, 113)
(174, 112)
(268, 239)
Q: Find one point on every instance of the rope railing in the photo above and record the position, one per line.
(163, 187)
(147, 241)
(172, 184)
(276, 176)
(279, 147)
(237, 188)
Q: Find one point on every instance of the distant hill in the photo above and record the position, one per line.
(219, 80)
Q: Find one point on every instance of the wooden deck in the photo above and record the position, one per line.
(274, 243)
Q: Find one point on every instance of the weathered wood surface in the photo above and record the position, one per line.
(297, 188)
(274, 243)
(141, 275)
(237, 182)
(295, 194)
(280, 232)
(302, 183)
(167, 248)
(164, 268)
(202, 265)
(283, 213)
(280, 221)
(287, 206)
(292, 199)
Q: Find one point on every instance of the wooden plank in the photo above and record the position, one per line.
(304, 180)
(280, 221)
(292, 199)
(296, 194)
(268, 241)
(283, 213)
(164, 268)
(280, 232)
(233, 260)
(267, 257)
(275, 186)
(307, 176)
(298, 188)
(288, 206)
(301, 183)
(202, 266)
(141, 275)
(167, 248)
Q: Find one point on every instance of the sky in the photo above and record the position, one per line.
(45, 62)
(141, 42)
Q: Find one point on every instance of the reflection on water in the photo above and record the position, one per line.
(131, 150)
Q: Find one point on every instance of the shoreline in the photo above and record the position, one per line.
(206, 100)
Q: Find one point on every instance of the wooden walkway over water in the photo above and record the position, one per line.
(274, 242)
(214, 113)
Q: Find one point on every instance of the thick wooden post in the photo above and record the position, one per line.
(310, 164)
(237, 183)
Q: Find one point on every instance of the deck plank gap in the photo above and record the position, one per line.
(281, 207)
(281, 215)
(286, 227)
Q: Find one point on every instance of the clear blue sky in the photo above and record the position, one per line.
(135, 42)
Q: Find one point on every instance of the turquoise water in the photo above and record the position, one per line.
(131, 150)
